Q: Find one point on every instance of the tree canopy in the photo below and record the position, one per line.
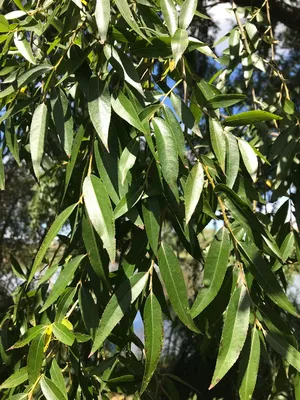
(140, 139)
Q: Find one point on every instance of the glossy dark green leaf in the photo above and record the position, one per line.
(123, 107)
(38, 130)
(232, 160)
(88, 309)
(167, 153)
(12, 140)
(187, 13)
(214, 271)
(262, 272)
(224, 100)
(64, 303)
(170, 15)
(35, 358)
(179, 43)
(100, 212)
(102, 15)
(128, 158)
(63, 334)
(218, 141)
(153, 327)
(128, 201)
(286, 249)
(50, 389)
(177, 133)
(151, 215)
(126, 13)
(119, 303)
(15, 379)
(99, 107)
(284, 348)
(193, 189)
(95, 251)
(29, 335)
(250, 117)
(234, 333)
(58, 378)
(50, 236)
(63, 280)
(249, 366)
(172, 275)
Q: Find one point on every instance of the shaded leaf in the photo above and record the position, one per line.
(16, 379)
(127, 159)
(58, 378)
(123, 107)
(151, 215)
(29, 335)
(224, 100)
(232, 160)
(35, 357)
(128, 201)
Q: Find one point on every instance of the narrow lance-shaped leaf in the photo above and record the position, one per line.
(29, 335)
(234, 333)
(128, 201)
(250, 117)
(50, 236)
(127, 159)
(2, 172)
(262, 272)
(35, 357)
(224, 100)
(88, 310)
(102, 15)
(286, 250)
(214, 271)
(38, 130)
(151, 216)
(24, 47)
(193, 190)
(58, 378)
(187, 13)
(63, 280)
(249, 366)
(170, 15)
(119, 303)
(167, 153)
(179, 43)
(16, 379)
(218, 143)
(63, 334)
(153, 323)
(174, 281)
(232, 160)
(126, 13)
(50, 389)
(100, 213)
(249, 157)
(99, 107)
(64, 303)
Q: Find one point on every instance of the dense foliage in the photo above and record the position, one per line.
(103, 103)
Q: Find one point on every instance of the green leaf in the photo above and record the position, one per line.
(224, 100)
(179, 43)
(50, 389)
(249, 366)
(174, 281)
(102, 15)
(124, 108)
(218, 142)
(95, 251)
(63, 334)
(25, 78)
(284, 348)
(128, 158)
(151, 215)
(64, 303)
(12, 140)
(38, 131)
(234, 333)
(2, 172)
(47, 275)
(4, 25)
(123, 65)
(286, 250)
(167, 153)
(232, 160)
(263, 274)
(177, 132)
(193, 189)
(288, 106)
(214, 271)
(153, 326)
(89, 311)
(128, 201)
(35, 358)
(126, 13)
(16, 379)
(187, 13)
(100, 213)
(24, 47)
(58, 378)
(62, 281)
(99, 107)
(50, 236)
(29, 335)
(170, 15)
(249, 157)
(297, 386)
(117, 306)
(250, 117)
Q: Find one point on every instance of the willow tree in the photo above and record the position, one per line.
(101, 97)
